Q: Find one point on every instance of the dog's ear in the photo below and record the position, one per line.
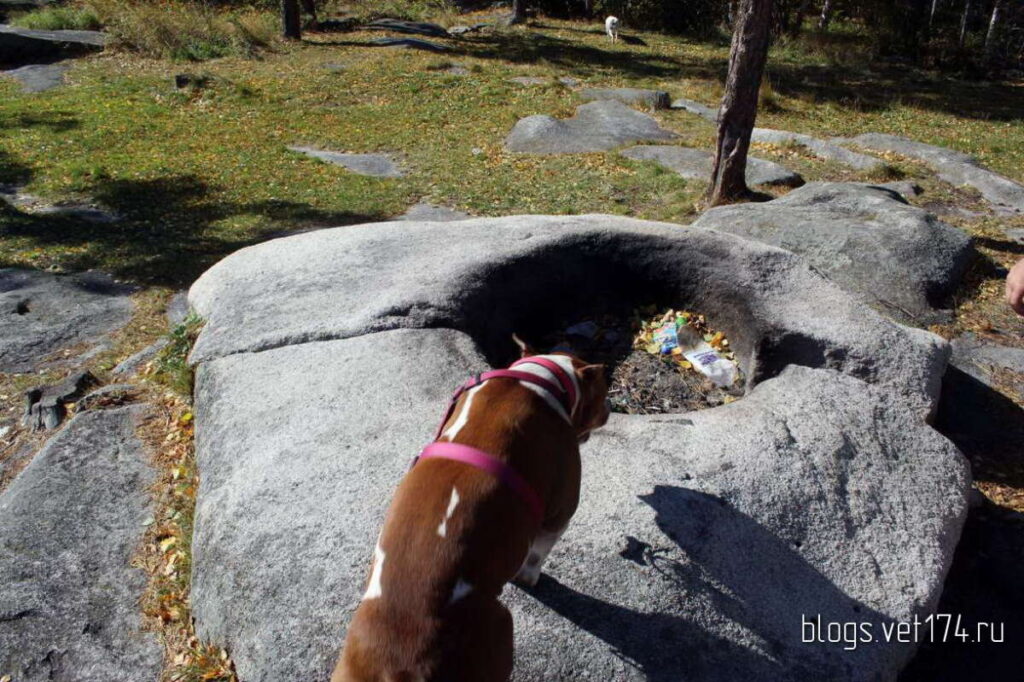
(590, 372)
(524, 348)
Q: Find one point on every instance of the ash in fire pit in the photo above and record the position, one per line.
(655, 360)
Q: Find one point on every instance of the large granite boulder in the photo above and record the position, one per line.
(69, 526)
(596, 127)
(952, 166)
(26, 46)
(865, 238)
(702, 539)
(43, 312)
(698, 164)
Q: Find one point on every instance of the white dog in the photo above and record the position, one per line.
(611, 27)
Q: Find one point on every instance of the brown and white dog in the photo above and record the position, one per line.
(455, 534)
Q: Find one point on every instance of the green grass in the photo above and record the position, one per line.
(60, 18)
(200, 172)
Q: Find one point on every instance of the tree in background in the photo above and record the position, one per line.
(290, 19)
(747, 58)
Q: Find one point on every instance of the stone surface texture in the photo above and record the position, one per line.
(69, 525)
(374, 165)
(844, 502)
(597, 126)
(651, 99)
(866, 239)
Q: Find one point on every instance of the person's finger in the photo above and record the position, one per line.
(1015, 297)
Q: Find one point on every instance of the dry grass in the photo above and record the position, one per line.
(184, 31)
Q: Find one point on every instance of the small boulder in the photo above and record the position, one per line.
(696, 163)
(402, 26)
(697, 108)
(45, 408)
(597, 126)
(866, 239)
(39, 77)
(27, 46)
(409, 43)
(650, 99)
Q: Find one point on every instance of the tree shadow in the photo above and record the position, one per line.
(168, 231)
(987, 426)
(751, 578)
(983, 586)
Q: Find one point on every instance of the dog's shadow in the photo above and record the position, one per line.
(748, 575)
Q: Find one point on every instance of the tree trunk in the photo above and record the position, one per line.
(963, 23)
(290, 18)
(826, 15)
(931, 16)
(518, 12)
(993, 26)
(739, 105)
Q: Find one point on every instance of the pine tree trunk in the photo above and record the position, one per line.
(826, 15)
(290, 19)
(963, 23)
(739, 105)
(798, 21)
(993, 25)
(931, 16)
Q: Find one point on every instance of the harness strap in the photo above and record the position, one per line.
(475, 381)
(568, 396)
(479, 459)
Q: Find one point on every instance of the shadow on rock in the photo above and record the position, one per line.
(987, 426)
(983, 586)
(737, 568)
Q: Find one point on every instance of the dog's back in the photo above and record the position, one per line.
(611, 27)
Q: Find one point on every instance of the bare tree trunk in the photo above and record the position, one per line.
(931, 16)
(993, 26)
(518, 12)
(736, 117)
(290, 19)
(963, 23)
(826, 15)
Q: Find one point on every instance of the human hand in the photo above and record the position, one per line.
(1015, 287)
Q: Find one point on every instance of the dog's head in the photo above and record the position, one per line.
(592, 409)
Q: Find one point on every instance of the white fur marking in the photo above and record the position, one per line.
(463, 417)
(462, 588)
(374, 589)
(442, 529)
(611, 27)
(566, 364)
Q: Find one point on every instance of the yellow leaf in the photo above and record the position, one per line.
(167, 543)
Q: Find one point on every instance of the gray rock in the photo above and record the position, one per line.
(954, 167)
(45, 407)
(463, 30)
(374, 165)
(409, 43)
(344, 282)
(335, 66)
(529, 80)
(69, 525)
(14, 195)
(402, 26)
(866, 239)
(844, 503)
(38, 77)
(597, 126)
(905, 188)
(430, 213)
(177, 309)
(1016, 234)
(652, 99)
(696, 163)
(457, 70)
(133, 362)
(697, 108)
(26, 46)
(982, 359)
(568, 82)
(111, 395)
(44, 312)
(823, 149)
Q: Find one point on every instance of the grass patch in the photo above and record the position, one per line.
(60, 18)
(171, 367)
(184, 31)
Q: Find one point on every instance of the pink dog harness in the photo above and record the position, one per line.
(564, 391)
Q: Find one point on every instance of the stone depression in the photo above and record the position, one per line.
(702, 539)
